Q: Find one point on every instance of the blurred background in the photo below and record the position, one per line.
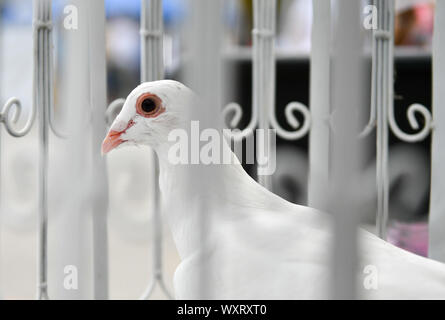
(129, 220)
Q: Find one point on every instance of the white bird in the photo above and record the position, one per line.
(256, 245)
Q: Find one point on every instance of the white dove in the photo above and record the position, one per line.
(256, 245)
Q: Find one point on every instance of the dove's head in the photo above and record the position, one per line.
(149, 113)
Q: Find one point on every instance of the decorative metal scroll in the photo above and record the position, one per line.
(382, 107)
(263, 90)
(43, 103)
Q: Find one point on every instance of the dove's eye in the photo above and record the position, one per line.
(149, 105)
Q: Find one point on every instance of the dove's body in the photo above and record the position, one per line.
(237, 240)
(256, 245)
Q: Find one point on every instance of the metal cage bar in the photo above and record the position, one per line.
(381, 80)
(343, 198)
(436, 248)
(382, 107)
(263, 63)
(43, 32)
(263, 90)
(203, 74)
(320, 94)
(152, 68)
(99, 179)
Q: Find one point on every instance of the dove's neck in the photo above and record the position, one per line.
(201, 197)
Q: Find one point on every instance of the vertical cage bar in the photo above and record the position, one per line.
(152, 68)
(203, 74)
(79, 222)
(382, 92)
(42, 31)
(264, 75)
(320, 105)
(437, 200)
(347, 85)
(99, 180)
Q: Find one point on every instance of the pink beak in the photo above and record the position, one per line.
(111, 141)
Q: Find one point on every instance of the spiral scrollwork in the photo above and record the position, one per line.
(11, 119)
(414, 123)
(292, 107)
(113, 110)
(411, 114)
(237, 111)
(303, 129)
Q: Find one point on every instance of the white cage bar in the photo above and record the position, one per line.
(436, 249)
(263, 88)
(42, 103)
(152, 68)
(382, 107)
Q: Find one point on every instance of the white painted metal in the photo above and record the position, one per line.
(7, 119)
(76, 235)
(204, 74)
(383, 40)
(384, 62)
(320, 105)
(437, 200)
(43, 104)
(43, 31)
(99, 180)
(382, 107)
(113, 110)
(347, 76)
(5, 115)
(152, 68)
(263, 89)
(263, 63)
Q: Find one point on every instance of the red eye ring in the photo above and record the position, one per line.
(149, 105)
